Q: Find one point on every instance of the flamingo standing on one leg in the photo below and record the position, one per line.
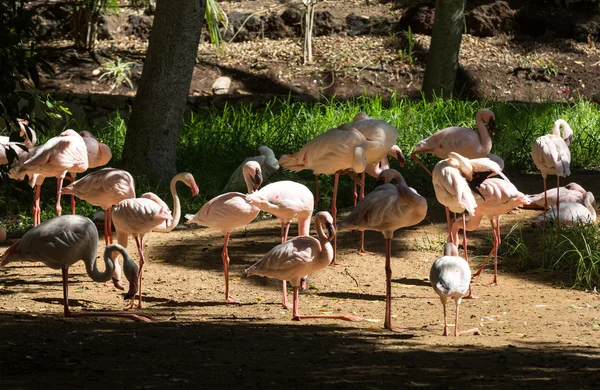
(450, 277)
(461, 140)
(61, 242)
(386, 209)
(551, 155)
(105, 188)
(340, 150)
(496, 197)
(230, 211)
(64, 153)
(571, 193)
(294, 259)
(137, 216)
(286, 200)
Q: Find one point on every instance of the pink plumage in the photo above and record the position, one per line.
(571, 193)
(99, 154)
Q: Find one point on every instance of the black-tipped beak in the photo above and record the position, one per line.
(491, 126)
(330, 230)
(133, 289)
(257, 180)
(401, 159)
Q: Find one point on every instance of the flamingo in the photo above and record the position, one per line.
(294, 259)
(64, 153)
(572, 213)
(497, 197)
(286, 200)
(386, 209)
(29, 142)
(571, 193)
(551, 155)
(137, 216)
(230, 211)
(461, 140)
(99, 154)
(105, 188)
(268, 166)
(187, 179)
(61, 242)
(454, 177)
(335, 151)
(450, 277)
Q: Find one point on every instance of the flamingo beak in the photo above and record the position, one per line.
(491, 126)
(330, 230)
(257, 179)
(401, 159)
(568, 140)
(195, 189)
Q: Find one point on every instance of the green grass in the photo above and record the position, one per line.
(574, 251)
(213, 142)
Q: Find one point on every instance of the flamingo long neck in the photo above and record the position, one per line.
(91, 266)
(130, 268)
(325, 240)
(484, 135)
(176, 208)
(567, 132)
(588, 203)
(248, 181)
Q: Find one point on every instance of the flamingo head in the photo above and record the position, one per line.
(86, 134)
(387, 175)
(576, 187)
(396, 152)
(450, 249)
(253, 172)
(324, 218)
(189, 181)
(69, 133)
(568, 140)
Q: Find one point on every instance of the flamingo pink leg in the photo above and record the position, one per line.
(362, 250)
(545, 204)
(476, 274)
(334, 215)
(72, 179)
(450, 226)
(58, 188)
(413, 155)
(284, 235)
(557, 219)
(36, 206)
(140, 245)
(225, 258)
(388, 284)
(298, 317)
(445, 321)
(457, 333)
(354, 193)
(69, 313)
(464, 218)
(497, 242)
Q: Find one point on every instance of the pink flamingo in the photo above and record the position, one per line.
(137, 216)
(571, 193)
(551, 155)
(294, 259)
(496, 197)
(461, 140)
(230, 211)
(64, 153)
(269, 165)
(61, 242)
(99, 154)
(6, 144)
(340, 150)
(572, 213)
(450, 277)
(286, 200)
(187, 179)
(386, 209)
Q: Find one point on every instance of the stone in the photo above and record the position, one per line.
(489, 20)
(326, 24)
(275, 28)
(139, 25)
(242, 27)
(107, 27)
(419, 18)
(357, 25)
(221, 85)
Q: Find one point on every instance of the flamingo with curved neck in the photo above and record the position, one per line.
(188, 179)
(63, 241)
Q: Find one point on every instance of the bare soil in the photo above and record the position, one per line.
(491, 68)
(537, 332)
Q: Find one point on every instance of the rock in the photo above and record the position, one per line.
(242, 26)
(357, 25)
(275, 27)
(221, 85)
(381, 25)
(139, 25)
(107, 27)
(326, 24)
(419, 18)
(530, 22)
(489, 20)
(292, 17)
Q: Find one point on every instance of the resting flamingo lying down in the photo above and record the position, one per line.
(571, 193)
(572, 213)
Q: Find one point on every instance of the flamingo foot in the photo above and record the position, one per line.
(338, 264)
(492, 284)
(471, 295)
(363, 252)
(475, 331)
(232, 300)
(476, 274)
(345, 317)
(287, 306)
(446, 333)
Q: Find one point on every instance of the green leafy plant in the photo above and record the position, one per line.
(215, 16)
(407, 53)
(117, 72)
(548, 68)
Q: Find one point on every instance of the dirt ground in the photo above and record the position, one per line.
(536, 331)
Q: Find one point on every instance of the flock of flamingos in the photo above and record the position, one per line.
(462, 181)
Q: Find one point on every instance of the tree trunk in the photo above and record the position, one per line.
(442, 60)
(160, 102)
